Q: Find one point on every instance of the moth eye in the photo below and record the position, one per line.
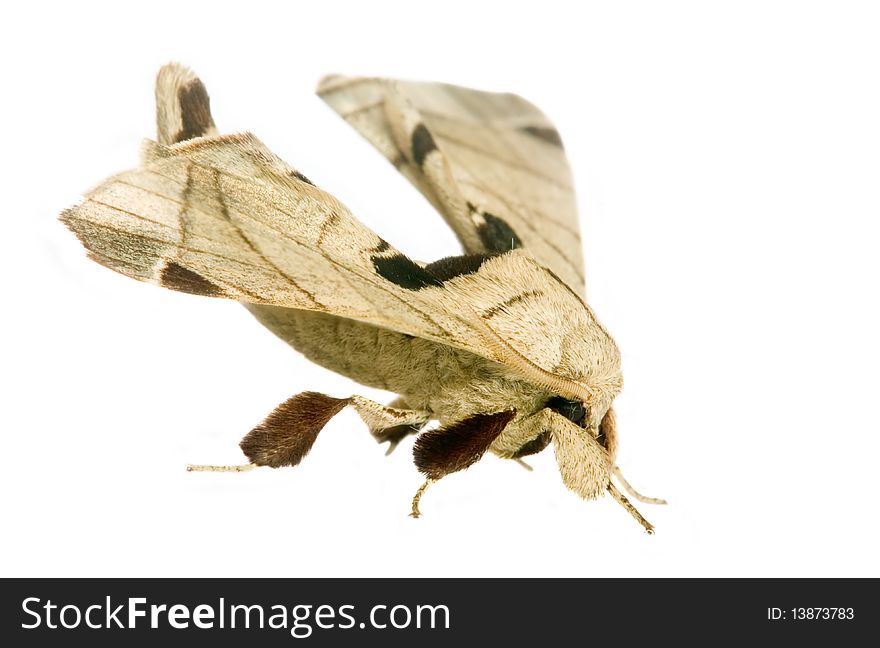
(574, 411)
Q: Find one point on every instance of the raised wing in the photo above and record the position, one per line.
(224, 217)
(492, 164)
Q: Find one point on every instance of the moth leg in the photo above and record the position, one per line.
(523, 464)
(209, 468)
(288, 433)
(396, 433)
(449, 449)
(285, 436)
(390, 423)
(416, 513)
(625, 503)
(632, 491)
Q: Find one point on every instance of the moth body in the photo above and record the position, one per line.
(449, 384)
(497, 347)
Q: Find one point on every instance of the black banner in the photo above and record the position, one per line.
(433, 612)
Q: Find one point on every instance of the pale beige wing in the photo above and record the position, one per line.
(224, 217)
(492, 164)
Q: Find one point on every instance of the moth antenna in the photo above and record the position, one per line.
(415, 513)
(207, 468)
(625, 503)
(632, 491)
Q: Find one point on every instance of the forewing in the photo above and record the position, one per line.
(491, 163)
(224, 217)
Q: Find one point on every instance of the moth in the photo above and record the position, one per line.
(496, 347)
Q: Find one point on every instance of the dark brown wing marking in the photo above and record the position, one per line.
(195, 110)
(176, 277)
(422, 144)
(455, 266)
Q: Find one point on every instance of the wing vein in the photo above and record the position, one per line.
(129, 213)
(442, 332)
(513, 164)
(224, 210)
(363, 108)
(537, 212)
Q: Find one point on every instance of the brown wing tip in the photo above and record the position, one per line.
(107, 247)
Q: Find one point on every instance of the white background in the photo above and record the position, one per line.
(727, 160)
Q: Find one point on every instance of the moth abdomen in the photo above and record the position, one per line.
(422, 144)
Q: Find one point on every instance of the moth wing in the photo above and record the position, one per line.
(492, 164)
(224, 217)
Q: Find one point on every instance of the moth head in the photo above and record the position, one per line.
(596, 418)
(584, 441)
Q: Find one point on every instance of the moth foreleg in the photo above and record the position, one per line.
(449, 449)
(210, 468)
(288, 433)
(415, 513)
(394, 435)
(389, 426)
